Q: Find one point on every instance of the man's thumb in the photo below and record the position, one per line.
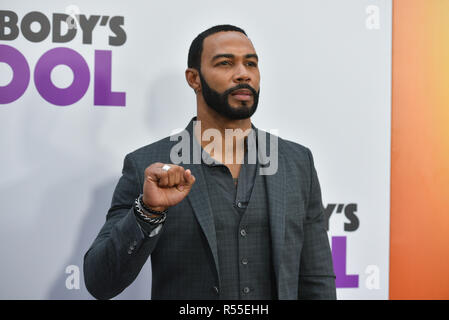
(189, 177)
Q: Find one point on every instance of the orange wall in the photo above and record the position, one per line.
(419, 237)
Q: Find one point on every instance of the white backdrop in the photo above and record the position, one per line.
(325, 83)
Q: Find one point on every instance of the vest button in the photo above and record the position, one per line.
(240, 205)
(244, 261)
(246, 290)
(243, 232)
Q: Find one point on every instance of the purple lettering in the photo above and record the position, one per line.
(81, 76)
(339, 258)
(21, 74)
(103, 96)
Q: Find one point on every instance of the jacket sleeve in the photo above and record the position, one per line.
(316, 276)
(122, 246)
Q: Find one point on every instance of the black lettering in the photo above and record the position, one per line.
(40, 18)
(57, 36)
(88, 25)
(11, 24)
(354, 220)
(328, 212)
(116, 24)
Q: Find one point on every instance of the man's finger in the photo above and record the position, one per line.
(189, 177)
(174, 175)
(187, 181)
(163, 177)
(155, 172)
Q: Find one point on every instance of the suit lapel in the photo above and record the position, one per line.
(199, 199)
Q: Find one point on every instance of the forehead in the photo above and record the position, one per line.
(227, 42)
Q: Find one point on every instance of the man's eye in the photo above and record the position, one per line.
(224, 63)
(252, 64)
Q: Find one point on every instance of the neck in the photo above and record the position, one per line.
(210, 119)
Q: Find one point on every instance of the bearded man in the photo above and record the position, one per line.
(231, 223)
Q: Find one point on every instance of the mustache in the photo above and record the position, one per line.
(241, 86)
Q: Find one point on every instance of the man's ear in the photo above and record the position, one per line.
(193, 79)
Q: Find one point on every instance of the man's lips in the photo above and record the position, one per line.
(242, 94)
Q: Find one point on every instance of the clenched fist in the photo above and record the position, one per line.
(163, 189)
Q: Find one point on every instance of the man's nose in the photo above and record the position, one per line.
(241, 74)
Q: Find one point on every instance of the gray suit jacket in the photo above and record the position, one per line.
(184, 254)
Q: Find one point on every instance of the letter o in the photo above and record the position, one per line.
(29, 34)
(81, 76)
(21, 74)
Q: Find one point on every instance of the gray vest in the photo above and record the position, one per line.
(244, 245)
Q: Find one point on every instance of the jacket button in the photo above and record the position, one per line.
(246, 290)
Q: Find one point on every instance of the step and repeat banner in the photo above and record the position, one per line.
(84, 83)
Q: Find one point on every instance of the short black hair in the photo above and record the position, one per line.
(196, 48)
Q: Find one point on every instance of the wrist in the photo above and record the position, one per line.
(146, 205)
(159, 209)
(147, 214)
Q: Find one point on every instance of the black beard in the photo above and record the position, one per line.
(220, 103)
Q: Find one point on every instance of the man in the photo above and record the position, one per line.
(217, 227)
